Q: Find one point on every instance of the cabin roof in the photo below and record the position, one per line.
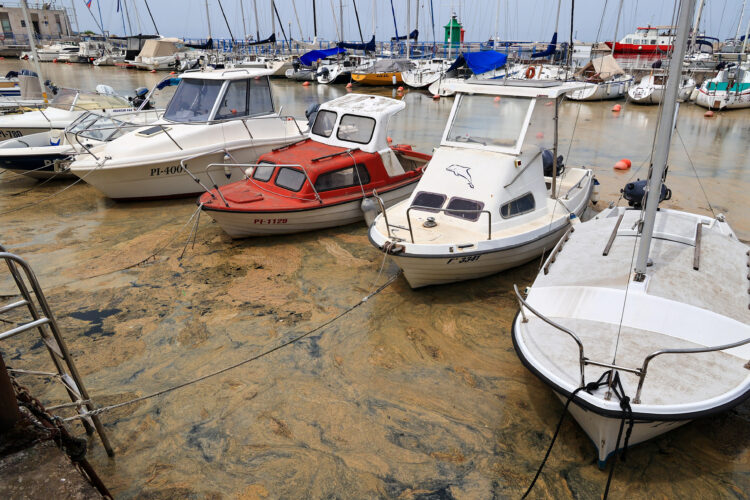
(519, 88)
(227, 74)
(367, 105)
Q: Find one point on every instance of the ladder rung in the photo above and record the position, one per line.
(23, 328)
(12, 306)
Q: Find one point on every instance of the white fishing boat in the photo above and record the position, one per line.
(604, 79)
(650, 90)
(66, 106)
(425, 73)
(214, 116)
(639, 318)
(485, 202)
(730, 89)
(63, 51)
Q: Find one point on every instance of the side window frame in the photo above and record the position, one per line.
(452, 211)
(510, 203)
(281, 169)
(357, 167)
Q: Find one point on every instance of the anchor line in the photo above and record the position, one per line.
(255, 357)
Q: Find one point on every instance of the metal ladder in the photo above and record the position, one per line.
(44, 321)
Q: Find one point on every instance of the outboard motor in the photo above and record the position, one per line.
(52, 88)
(635, 193)
(548, 158)
(310, 113)
(140, 97)
(656, 64)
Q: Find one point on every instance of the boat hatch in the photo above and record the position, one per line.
(148, 132)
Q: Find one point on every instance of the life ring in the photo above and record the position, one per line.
(530, 72)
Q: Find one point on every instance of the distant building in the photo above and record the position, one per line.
(48, 22)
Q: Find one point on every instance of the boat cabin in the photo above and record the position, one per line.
(347, 153)
(219, 95)
(493, 153)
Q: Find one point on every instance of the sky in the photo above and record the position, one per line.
(511, 19)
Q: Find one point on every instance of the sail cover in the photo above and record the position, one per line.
(550, 48)
(600, 69)
(412, 36)
(368, 47)
(270, 39)
(310, 57)
(484, 61)
(390, 66)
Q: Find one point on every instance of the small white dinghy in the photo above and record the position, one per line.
(484, 203)
(649, 307)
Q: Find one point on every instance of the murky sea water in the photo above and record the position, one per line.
(414, 394)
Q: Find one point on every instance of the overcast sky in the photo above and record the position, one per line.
(518, 19)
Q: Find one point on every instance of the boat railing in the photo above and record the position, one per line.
(118, 125)
(245, 166)
(640, 372)
(449, 211)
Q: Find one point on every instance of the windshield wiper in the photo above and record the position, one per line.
(461, 138)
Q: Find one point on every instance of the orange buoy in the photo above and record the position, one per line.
(400, 89)
(305, 84)
(436, 96)
(548, 103)
(497, 98)
(540, 135)
(153, 71)
(616, 108)
(349, 85)
(171, 72)
(627, 162)
(708, 114)
(389, 140)
(54, 60)
(621, 165)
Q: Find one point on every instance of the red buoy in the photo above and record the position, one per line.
(436, 96)
(616, 108)
(305, 84)
(349, 85)
(621, 165)
(497, 99)
(400, 89)
(708, 114)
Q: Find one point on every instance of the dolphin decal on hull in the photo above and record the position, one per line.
(461, 171)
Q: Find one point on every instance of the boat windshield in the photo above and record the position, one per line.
(193, 100)
(99, 128)
(488, 120)
(72, 100)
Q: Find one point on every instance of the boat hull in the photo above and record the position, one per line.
(248, 224)
(166, 179)
(630, 48)
(601, 91)
(377, 79)
(426, 270)
(15, 132)
(722, 99)
(41, 166)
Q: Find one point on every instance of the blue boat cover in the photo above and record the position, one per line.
(367, 47)
(310, 57)
(550, 49)
(483, 61)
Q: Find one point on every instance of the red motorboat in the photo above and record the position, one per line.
(646, 40)
(324, 180)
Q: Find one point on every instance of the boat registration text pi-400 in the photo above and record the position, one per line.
(173, 170)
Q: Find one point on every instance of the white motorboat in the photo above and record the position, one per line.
(484, 203)
(67, 105)
(426, 73)
(48, 154)
(57, 51)
(166, 54)
(604, 80)
(214, 116)
(639, 318)
(730, 89)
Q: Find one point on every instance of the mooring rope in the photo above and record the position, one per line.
(263, 354)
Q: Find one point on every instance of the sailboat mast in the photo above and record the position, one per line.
(208, 20)
(341, 18)
(739, 24)
(432, 18)
(696, 25)
(299, 25)
(359, 26)
(273, 20)
(497, 23)
(32, 46)
(257, 24)
(335, 24)
(408, 26)
(244, 24)
(75, 16)
(747, 33)
(315, 23)
(663, 136)
(617, 24)
(374, 12)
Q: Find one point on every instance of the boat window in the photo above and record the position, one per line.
(464, 209)
(324, 123)
(262, 172)
(355, 128)
(193, 100)
(521, 205)
(427, 200)
(234, 102)
(290, 178)
(480, 119)
(260, 101)
(345, 177)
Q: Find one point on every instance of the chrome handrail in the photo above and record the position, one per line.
(448, 210)
(694, 350)
(381, 203)
(581, 358)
